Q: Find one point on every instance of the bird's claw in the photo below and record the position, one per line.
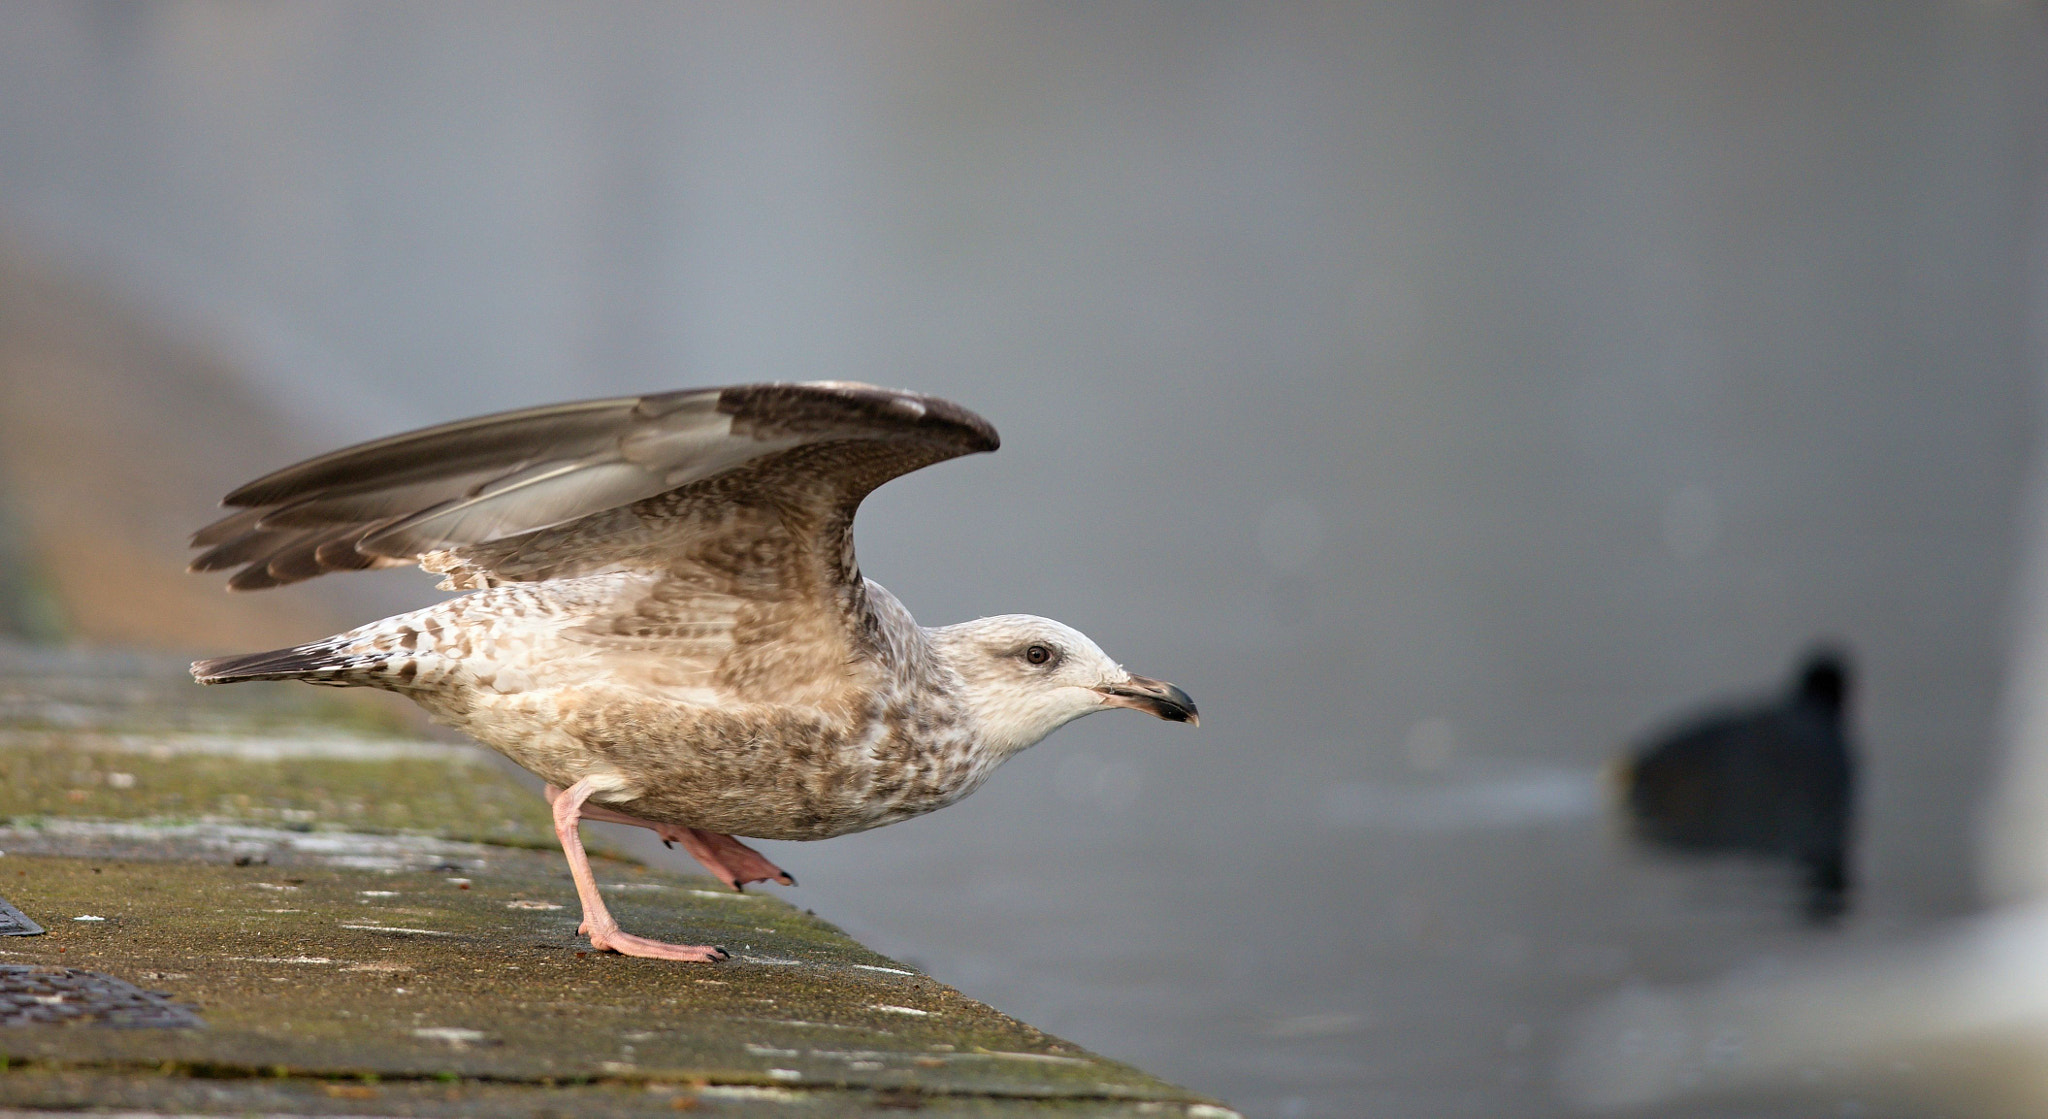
(626, 944)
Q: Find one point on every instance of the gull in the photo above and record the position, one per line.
(664, 619)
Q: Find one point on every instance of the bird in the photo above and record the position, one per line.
(664, 620)
(1946, 1020)
(1773, 778)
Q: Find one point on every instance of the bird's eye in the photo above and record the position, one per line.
(1038, 654)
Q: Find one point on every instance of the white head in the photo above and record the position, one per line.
(1027, 677)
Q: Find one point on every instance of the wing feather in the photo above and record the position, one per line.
(249, 545)
(378, 501)
(434, 452)
(572, 488)
(227, 528)
(546, 495)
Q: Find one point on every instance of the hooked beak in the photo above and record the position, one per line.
(1153, 697)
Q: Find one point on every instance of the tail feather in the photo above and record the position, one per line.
(321, 658)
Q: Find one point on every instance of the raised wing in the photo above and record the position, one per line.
(594, 485)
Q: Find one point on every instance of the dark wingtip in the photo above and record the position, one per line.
(798, 406)
(975, 433)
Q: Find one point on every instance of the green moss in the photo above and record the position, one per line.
(449, 797)
(55, 1090)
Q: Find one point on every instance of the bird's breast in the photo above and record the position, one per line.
(774, 771)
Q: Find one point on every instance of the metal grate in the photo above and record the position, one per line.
(13, 922)
(40, 996)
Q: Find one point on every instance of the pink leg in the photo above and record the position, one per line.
(730, 861)
(597, 920)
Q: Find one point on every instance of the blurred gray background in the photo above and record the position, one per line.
(1443, 393)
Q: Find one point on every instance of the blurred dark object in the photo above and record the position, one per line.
(1775, 780)
(13, 922)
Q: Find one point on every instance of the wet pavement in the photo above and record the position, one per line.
(247, 914)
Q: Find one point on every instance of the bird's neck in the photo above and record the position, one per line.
(903, 647)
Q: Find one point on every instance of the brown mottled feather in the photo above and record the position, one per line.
(549, 492)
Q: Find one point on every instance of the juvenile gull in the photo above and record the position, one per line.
(665, 621)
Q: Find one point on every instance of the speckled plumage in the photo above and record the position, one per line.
(665, 614)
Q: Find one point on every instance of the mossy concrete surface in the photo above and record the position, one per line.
(347, 957)
(321, 782)
(34, 1092)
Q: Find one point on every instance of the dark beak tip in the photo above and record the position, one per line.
(1156, 698)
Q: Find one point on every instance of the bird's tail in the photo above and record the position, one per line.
(327, 659)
